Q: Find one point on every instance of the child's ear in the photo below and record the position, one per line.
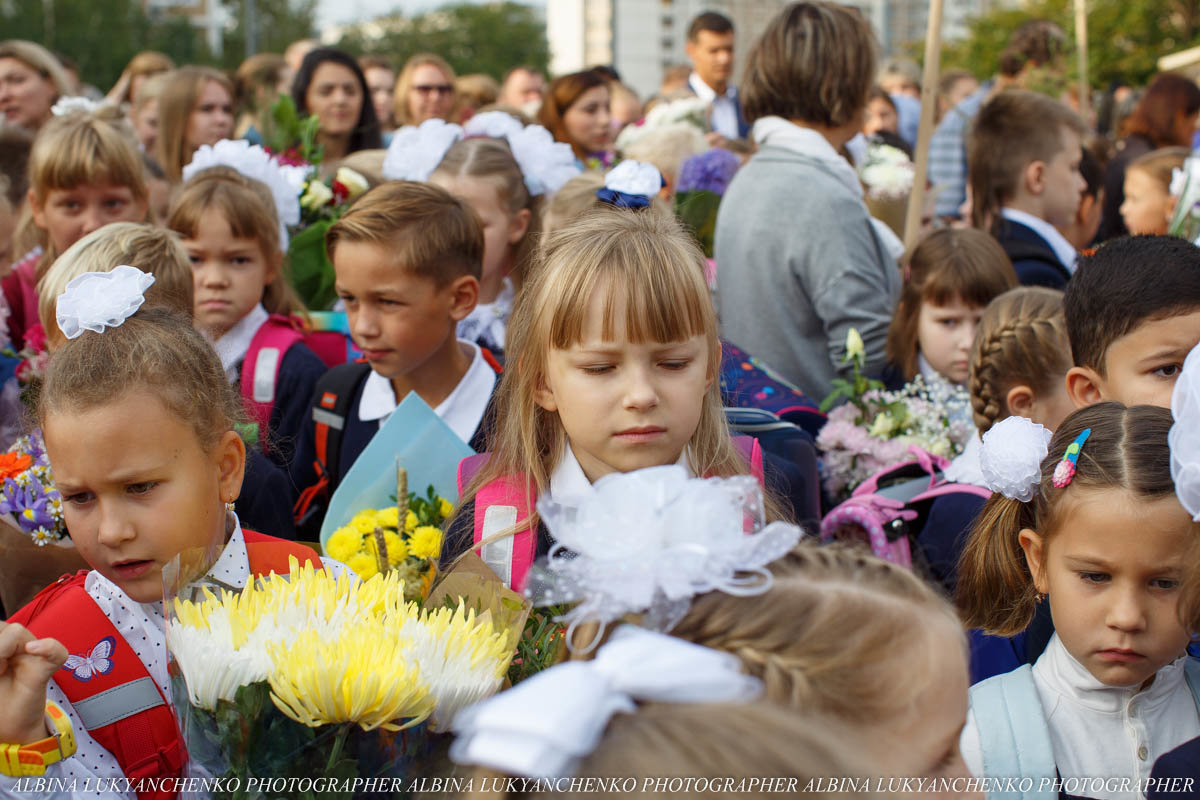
(464, 295)
(519, 225)
(1019, 401)
(36, 207)
(1035, 557)
(543, 395)
(230, 458)
(1085, 386)
(274, 266)
(1035, 177)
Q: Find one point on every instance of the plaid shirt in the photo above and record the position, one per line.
(948, 154)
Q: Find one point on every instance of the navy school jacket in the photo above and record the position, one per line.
(298, 375)
(1032, 257)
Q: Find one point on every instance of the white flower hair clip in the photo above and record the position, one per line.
(631, 184)
(75, 105)
(1184, 438)
(574, 702)
(98, 300)
(285, 182)
(545, 163)
(1012, 455)
(415, 152)
(648, 541)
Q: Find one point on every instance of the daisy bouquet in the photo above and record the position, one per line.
(310, 676)
(877, 428)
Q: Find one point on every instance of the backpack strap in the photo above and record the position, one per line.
(950, 487)
(260, 368)
(502, 504)
(335, 393)
(751, 450)
(269, 554)
(112, 692)
(1013, 733)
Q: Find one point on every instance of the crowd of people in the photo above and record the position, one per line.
(524, 256)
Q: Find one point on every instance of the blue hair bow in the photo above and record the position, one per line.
(622, 200)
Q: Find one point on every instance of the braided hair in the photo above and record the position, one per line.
(1022, 340)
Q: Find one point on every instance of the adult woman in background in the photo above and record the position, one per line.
(331, 87)
(31, 81)
(577, 111)
(1164, 117)
(425, 90)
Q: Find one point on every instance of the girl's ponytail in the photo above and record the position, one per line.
(995, 587)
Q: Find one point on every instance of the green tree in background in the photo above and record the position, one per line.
(102, 35)
(1125, 39)
(490, 38)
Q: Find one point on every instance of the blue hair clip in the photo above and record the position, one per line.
(1064, 473)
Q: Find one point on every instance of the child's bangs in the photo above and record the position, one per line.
(241, 207)
(88, 156)
(975, 282)
(660, 293)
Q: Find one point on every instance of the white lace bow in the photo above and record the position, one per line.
(98, 300)
(634, 177)
(648, 541)
(544, 725)
(1184, 438)
(285, 182)
(416, 151)
(1012, 455)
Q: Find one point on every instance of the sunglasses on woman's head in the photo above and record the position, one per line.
(439, 88)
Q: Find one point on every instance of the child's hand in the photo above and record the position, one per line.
(26, 666)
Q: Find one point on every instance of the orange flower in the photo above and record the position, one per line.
(13, 464)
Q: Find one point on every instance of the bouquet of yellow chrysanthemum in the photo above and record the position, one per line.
(374, 541)
(310, 676)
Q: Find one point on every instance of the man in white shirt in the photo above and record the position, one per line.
(710, 49)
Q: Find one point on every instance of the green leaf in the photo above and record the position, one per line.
(312, 272)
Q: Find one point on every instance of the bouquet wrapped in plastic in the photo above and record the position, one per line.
(312, 676)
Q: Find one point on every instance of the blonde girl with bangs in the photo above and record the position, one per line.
(949, 279)
(615, 355)
(229, 227)
(483, 172)
(194, 109)
(84, 172)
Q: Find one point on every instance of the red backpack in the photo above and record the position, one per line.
(506, 501)
(260, 368)
(123, 709)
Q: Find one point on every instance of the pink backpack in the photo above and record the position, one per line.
(887, 510)
(506, 502)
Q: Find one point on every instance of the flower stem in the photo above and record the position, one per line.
(336, 752)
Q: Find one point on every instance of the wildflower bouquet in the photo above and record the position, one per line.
(876, 428)
(27, 493)
(311, 676)
(376, 542)
(1185, 185)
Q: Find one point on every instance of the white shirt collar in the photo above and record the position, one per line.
(487, 321)
(232, 347)
(462, 409)
(779, 132)
(569, 485)
(706, 92)
(1058, 670)
(1063, 250)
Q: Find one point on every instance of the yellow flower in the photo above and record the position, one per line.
(343, 544)
(389, 517)
(410, 521)
(883, 425)
(364, 523)
(355, 184)
(426, 542)
(364, 565)
(854, 345)
(397, 549)
(445, 508)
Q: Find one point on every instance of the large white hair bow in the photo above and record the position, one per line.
(415, 152)
(285, 182)
(1184, 438)
(649, 540)
(545, 164)
(1011, 457)
(98, 300)
(544, 725)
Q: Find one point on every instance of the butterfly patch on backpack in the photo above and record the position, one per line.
(97, 662)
